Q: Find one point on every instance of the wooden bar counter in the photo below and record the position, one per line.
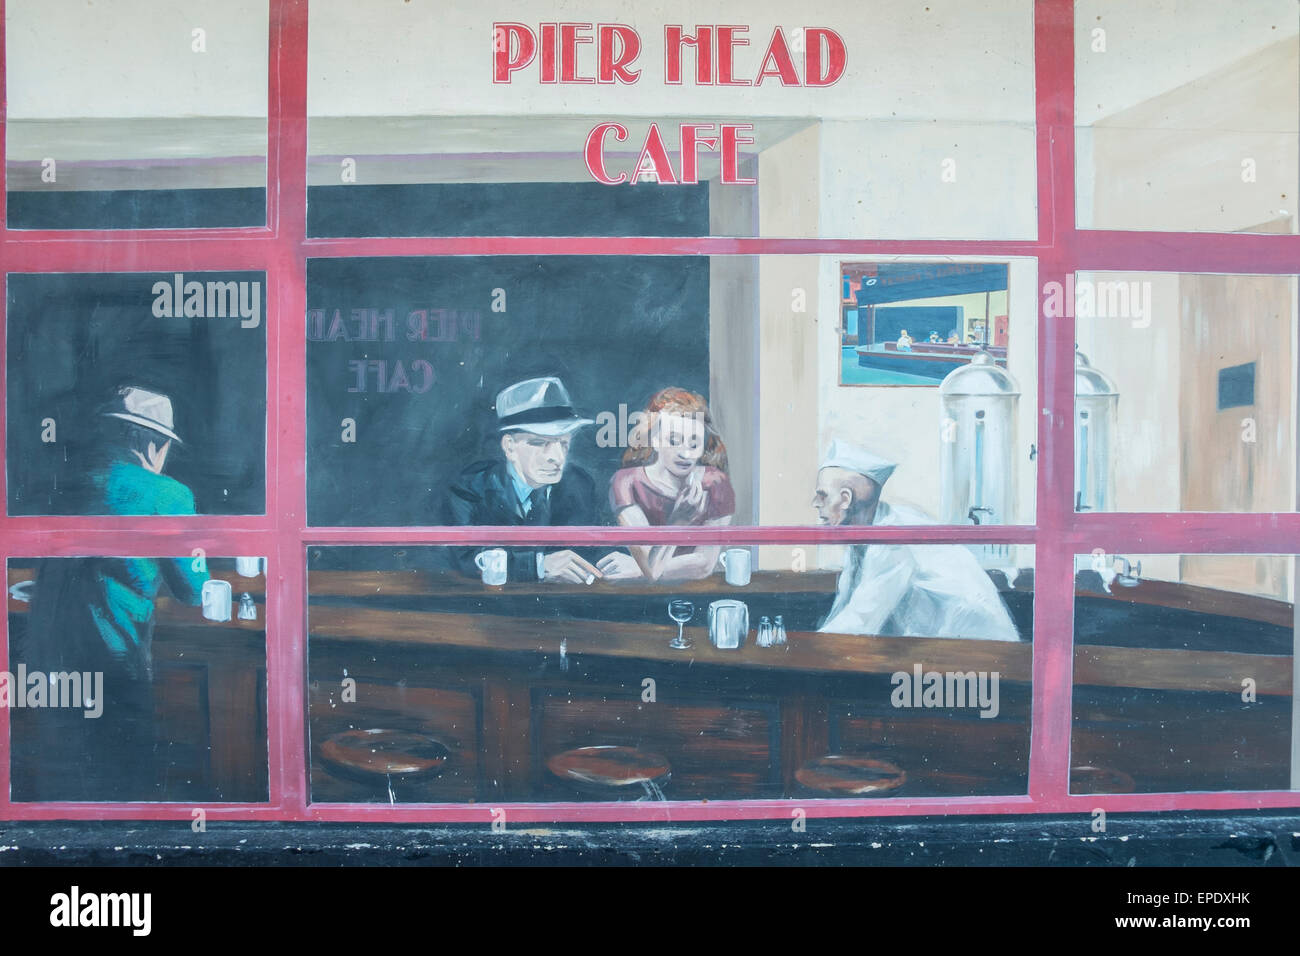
(481, 670)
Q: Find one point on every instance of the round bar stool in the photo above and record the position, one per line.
(850, 775)
(379, 756)
(613, 772)
(1090, 779)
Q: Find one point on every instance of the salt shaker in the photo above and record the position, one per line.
(247, 609)
(778, 631)
(764, 632)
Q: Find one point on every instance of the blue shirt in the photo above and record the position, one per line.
(523, 489)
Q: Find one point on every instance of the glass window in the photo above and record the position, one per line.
(731, 435)
(1186, 115)
(136, 393)
(137, 678)
(599, 672)
(409, 359)
(136, 115)
(1184, 391)
(1182, 672)
(774, 128)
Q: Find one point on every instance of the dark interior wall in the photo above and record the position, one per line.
(400, 209)
(919, 321)
(136, 208)
(508, 209)
(71, 339)
(615, 329)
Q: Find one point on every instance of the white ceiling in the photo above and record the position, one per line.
(135, 58)
(1153, 46)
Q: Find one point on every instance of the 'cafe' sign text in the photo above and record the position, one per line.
(553, 51)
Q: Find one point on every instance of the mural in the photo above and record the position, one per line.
(591, 502)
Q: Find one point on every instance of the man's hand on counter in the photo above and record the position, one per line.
(570, 566)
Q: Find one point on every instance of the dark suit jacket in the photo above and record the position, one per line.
(483, 494)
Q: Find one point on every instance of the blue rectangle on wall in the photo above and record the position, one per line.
(1237, 386)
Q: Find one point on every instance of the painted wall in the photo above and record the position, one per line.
(1217, 152)
(930, 179)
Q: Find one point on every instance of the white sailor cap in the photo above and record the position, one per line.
(845, 455)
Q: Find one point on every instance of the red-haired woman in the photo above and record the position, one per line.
(674, 473)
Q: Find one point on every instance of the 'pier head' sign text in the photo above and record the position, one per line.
(578, 53)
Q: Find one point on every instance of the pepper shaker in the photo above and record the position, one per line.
(778, 631)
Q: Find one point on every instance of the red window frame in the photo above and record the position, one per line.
(281, 248)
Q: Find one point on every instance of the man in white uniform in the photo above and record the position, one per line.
(900, 590)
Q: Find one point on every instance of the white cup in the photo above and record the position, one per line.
(737, 563)
(216, 600)
(493, 565)
(249, 567)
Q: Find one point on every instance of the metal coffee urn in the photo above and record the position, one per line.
(1095, 409)
(977, 441)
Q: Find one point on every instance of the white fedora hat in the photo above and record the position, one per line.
(151, 410)
(538, 405)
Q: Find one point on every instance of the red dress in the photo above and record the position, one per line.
(631, 486)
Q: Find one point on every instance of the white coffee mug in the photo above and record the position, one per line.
(737, 563)
(493, 565)
(216, 600)
(249, 567)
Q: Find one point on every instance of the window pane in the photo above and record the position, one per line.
(448, 674)
(136, 393)
(137, 678)
(408, 360)
(928, 132)
(135, 114)
(1184, 391)
(1186, 115)
(1182, 672)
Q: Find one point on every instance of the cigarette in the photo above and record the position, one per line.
(590, 578)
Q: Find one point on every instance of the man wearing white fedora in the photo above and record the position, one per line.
(97, 614)
(533, 484)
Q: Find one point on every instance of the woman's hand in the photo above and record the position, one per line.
(691, 504)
